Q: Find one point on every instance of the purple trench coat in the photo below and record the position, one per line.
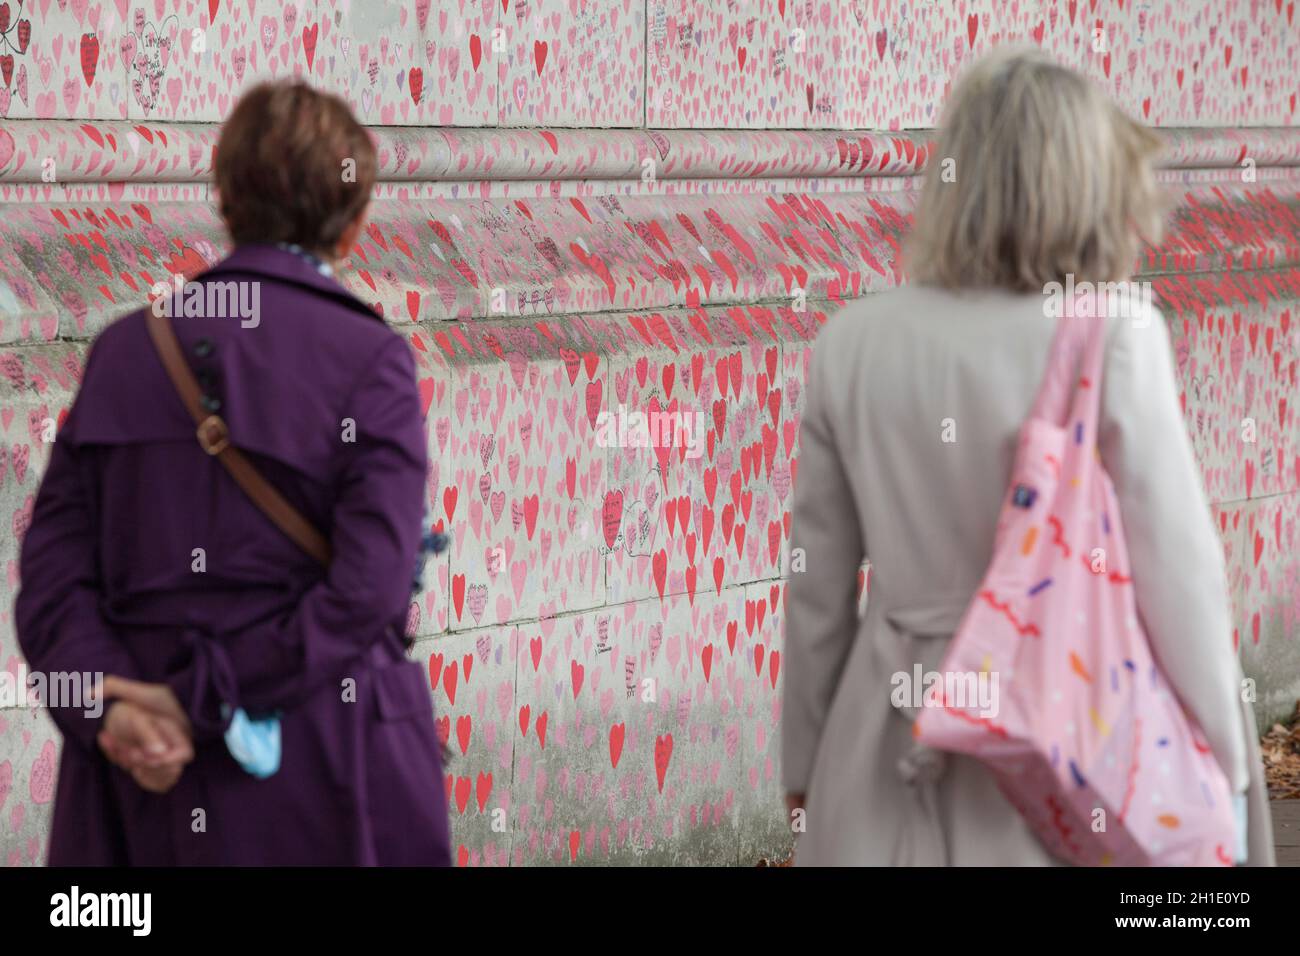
(109, 584)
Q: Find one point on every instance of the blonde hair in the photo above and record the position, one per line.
(1050, 179)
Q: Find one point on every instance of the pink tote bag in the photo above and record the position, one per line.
(1089, 742)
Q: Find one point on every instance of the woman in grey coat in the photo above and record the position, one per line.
(914, 401)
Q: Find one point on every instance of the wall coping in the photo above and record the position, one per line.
(125, 151)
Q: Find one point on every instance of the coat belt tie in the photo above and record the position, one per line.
(921, 839)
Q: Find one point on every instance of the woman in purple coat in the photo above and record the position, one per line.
(260, 707)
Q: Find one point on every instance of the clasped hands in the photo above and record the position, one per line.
(146, 732)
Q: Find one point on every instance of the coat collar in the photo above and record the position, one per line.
(269, 260)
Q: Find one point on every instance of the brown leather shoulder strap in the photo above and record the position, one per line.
(214, 438)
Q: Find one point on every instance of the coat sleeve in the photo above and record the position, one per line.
(57, 612)
(376, 527)
(821, 599)
(1175, 553)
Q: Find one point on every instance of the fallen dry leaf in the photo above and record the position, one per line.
(1280, 748)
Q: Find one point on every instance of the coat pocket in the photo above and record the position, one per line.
(402, 692)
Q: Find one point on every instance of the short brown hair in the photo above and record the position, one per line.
(282, 167)
(1036, 175)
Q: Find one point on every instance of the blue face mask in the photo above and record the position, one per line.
(255, 744)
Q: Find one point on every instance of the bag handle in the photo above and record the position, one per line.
(1071, 384)
(214, 438)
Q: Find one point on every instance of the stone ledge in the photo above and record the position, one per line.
(125, 151)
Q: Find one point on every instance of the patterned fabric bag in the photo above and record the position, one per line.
(1088, 742)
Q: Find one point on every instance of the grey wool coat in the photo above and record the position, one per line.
(877, 481)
